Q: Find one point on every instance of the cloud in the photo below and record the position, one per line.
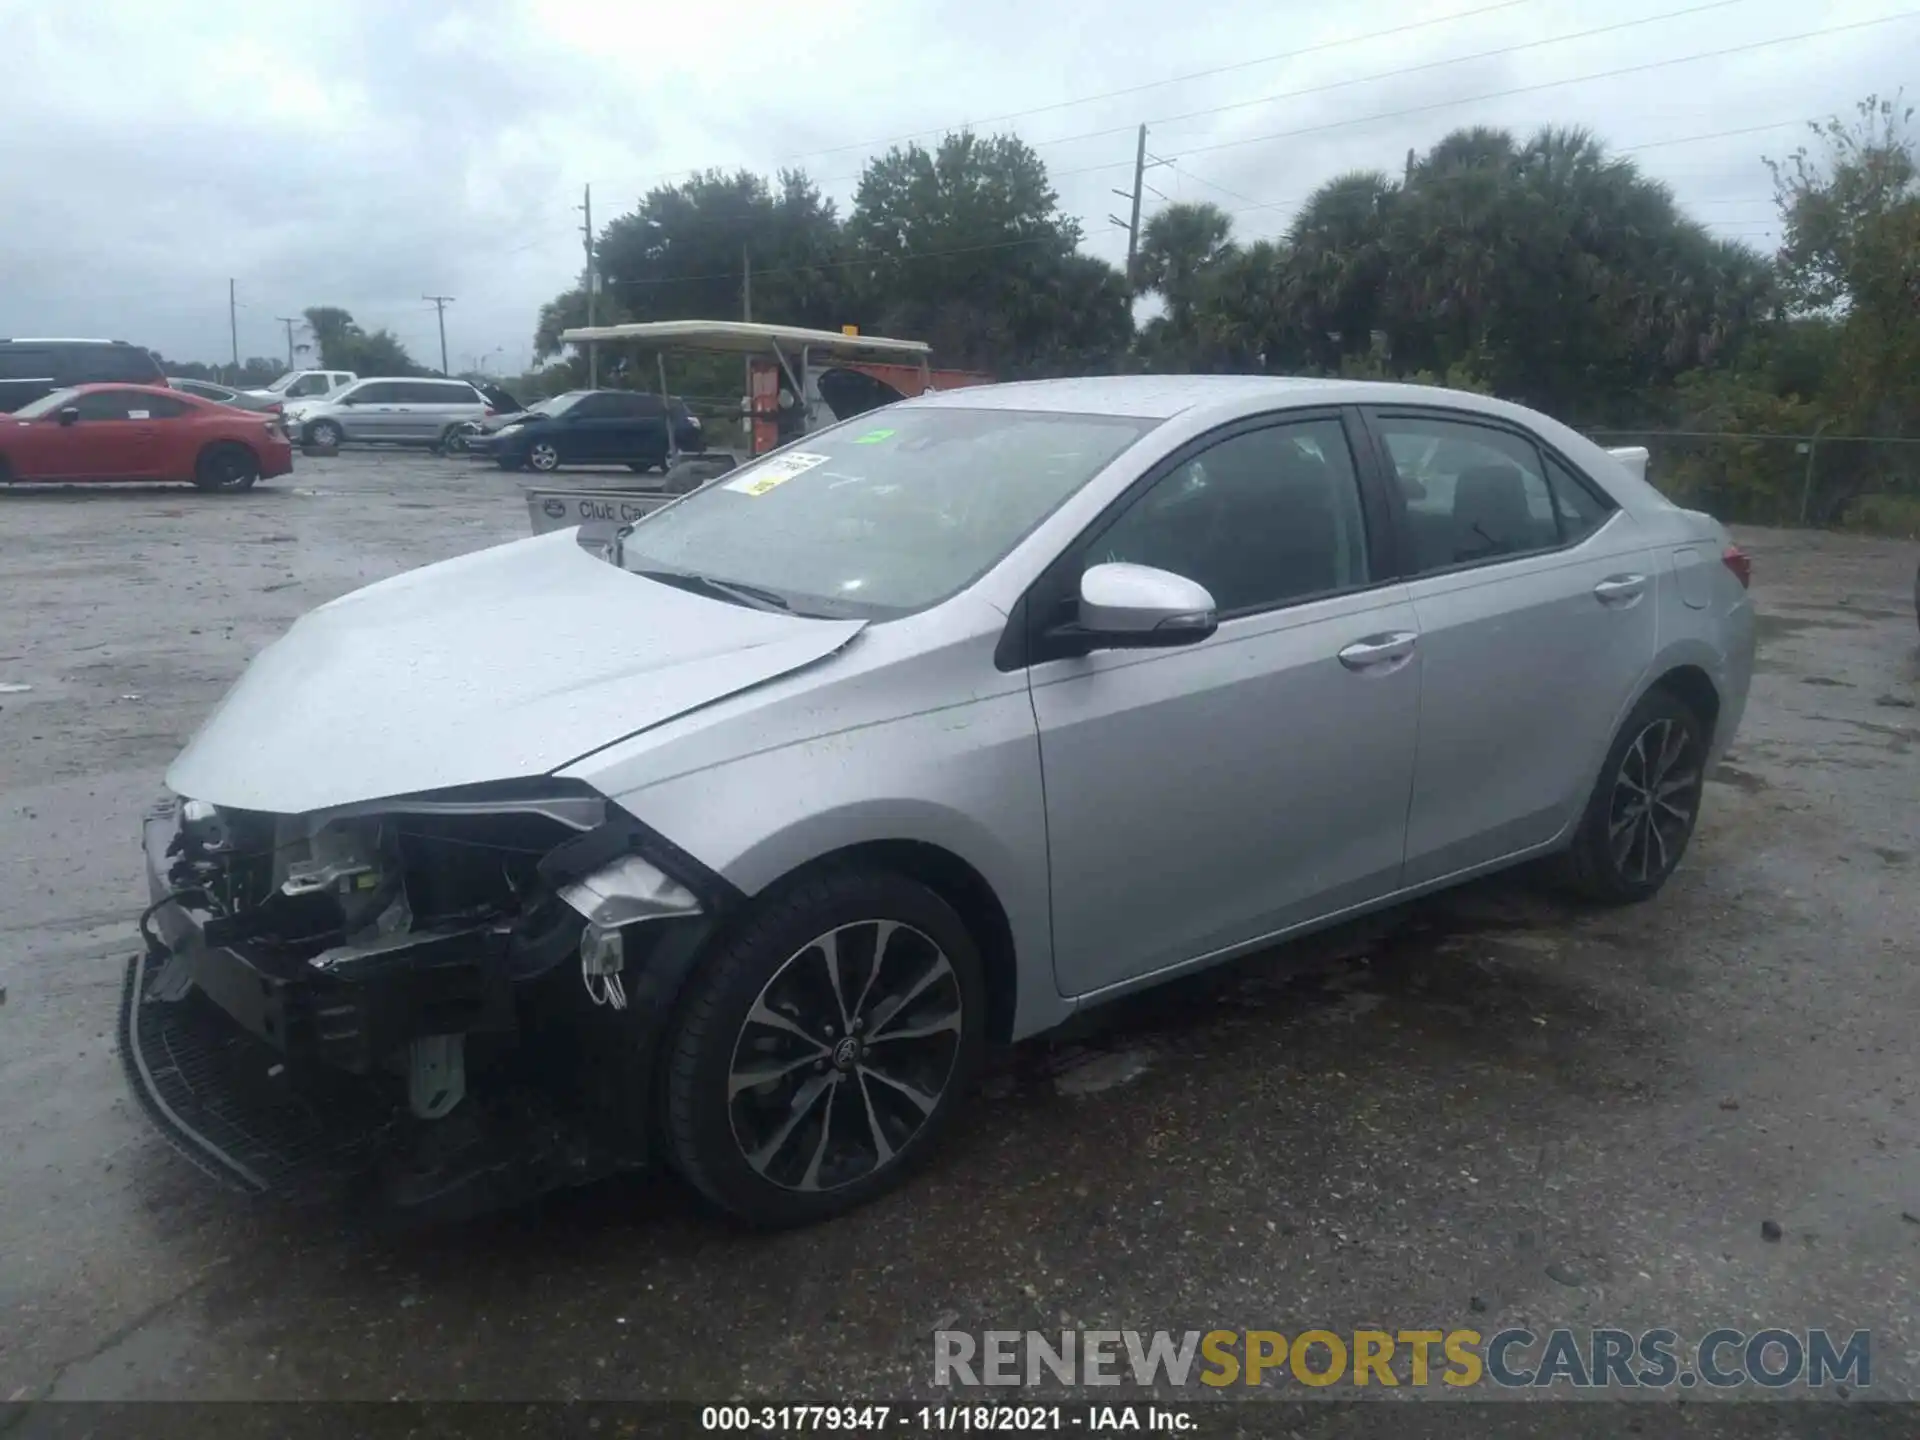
(364, 154)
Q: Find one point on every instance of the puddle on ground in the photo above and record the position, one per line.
(1461, 961)
(1772, 627)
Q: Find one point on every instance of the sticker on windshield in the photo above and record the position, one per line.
(776, 471)
(874, 437)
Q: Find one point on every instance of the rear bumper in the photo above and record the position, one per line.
(276, 460)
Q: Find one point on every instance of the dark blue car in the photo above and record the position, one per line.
(592, 427)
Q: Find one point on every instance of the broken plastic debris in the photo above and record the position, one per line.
(10, 688)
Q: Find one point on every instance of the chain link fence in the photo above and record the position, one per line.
(1852, 482)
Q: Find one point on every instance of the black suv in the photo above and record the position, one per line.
(32, 368)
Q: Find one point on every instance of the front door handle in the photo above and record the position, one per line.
(1620, 589)
(1375, 651)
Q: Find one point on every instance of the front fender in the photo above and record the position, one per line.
(965, 779)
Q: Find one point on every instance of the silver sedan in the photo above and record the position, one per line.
(921, 735)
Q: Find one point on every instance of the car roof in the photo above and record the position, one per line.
(1161, 397)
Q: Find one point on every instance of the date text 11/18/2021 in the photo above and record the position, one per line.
(946, 1419)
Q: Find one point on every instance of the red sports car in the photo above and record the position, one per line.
(140, 432)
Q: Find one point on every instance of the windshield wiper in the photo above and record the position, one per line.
(730, 590)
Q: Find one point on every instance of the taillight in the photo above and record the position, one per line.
(1740, 563)
(486, 412)
(273, 407)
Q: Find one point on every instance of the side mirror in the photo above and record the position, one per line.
(69, 414)
(1139, 607)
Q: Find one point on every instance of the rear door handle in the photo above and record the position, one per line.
(1620, 589)
(1374, 651)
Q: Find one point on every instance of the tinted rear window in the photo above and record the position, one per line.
(17, 362)
(92, 364)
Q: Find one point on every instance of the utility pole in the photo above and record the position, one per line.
(289, 322)
(440, 303)
(233, 325)
(593, 290)
(746, 313)
(1132, 222)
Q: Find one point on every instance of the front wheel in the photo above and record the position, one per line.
(1642, 812)
(544, 456)
(227, 466)
(821, 1051)
(325, 434)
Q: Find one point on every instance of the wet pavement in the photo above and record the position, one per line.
(1489, 1111)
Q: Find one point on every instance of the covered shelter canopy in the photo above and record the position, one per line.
(742, 337)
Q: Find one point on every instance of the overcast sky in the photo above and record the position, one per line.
(365, 153)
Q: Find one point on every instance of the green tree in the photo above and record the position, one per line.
(344, 345)
(965, 246)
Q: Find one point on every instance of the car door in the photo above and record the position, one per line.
(370, 412)
(114, 438)
(174, 449)
(1534, 598)
(1199, 799)
(590, 432)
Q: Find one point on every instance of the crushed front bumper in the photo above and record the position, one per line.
(269, 1077)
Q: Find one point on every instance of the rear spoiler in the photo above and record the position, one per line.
(1635, 458)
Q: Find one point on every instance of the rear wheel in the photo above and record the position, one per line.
(1642, 812)
(821, 1051)
(226, 466)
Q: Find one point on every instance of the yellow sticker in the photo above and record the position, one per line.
(775, 470)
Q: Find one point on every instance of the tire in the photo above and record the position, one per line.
(324, 433)
(762, 1152)
(226, 466)
(455, 441)
(544, 456)
(1619, 855)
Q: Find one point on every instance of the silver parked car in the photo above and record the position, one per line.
(388, 411)
(223, 394)
(740, 847)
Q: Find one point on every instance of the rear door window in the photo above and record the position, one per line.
(386, 392)
(1474, 494)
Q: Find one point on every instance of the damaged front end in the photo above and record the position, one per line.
(442, 1002)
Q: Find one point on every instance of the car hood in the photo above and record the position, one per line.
(507, 663)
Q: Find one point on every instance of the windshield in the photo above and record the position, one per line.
(559, 404)
(280, 385)
(46, 405)
(877, 520)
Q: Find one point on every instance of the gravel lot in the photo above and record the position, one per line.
(1497, 1113)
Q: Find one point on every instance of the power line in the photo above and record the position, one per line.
(1320, 48)
(1404, 70)
(1613, 74)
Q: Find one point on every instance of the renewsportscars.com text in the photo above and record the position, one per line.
(1509, 1359)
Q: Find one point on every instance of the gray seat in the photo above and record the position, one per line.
(1490, 514)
